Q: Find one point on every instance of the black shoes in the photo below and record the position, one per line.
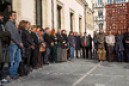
(15, 77)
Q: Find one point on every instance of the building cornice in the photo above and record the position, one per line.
(82, 2)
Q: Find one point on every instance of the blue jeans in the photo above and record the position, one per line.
(71, 52)
(15, 59)
(120, 56)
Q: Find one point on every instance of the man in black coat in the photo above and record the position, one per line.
(47, 40)
(85, 43)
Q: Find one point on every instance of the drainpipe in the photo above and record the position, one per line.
(85, 16)
(52, 10)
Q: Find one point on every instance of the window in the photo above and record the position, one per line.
(39, 12)
(110, 1)
(119, 1)
(80, 24)
(100, 2)
(59, 8)
(100, 14)
(71, 21)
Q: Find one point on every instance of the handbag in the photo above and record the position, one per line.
(42, 48)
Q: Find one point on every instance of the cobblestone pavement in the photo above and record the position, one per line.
(77, 73)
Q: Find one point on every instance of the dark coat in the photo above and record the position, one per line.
(95, 42)
(27, 42)
(53, 40)
(77, 42)
(126, 38)
(65, 39)
(26, 38)
(71, 41)
(90, 40)
(34, 39)
(47, 40)
(1, 53)
(87, 41)
(119, 43)
(59, 39)
(5, 38)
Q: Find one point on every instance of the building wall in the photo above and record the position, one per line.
(89, 18)
(26, 9)
(97, 19)
(96, 7)
(67, 7)
(89, 21)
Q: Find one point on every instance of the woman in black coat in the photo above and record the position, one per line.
(24, 27)
(64, 45)
(27, 41)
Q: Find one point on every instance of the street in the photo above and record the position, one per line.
(77, 73)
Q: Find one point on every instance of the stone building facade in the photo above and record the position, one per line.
(99, 11)
(89, 18)
(75, 15)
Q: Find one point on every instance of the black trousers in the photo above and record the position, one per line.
(53, 54)
(90, 53)
(77, 53)
(27, 56)
(85, 52)
(34, 57)
(2, 74)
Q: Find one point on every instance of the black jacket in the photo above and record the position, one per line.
(65, 39)
(35, 39)
(47, 40)
(90, 40)
(5, 36)
(59, 39)
(87, 41)
(53, 40)
(77, 42)
(26, 38)
(126, 38)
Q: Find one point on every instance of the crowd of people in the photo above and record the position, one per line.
(25, 47)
